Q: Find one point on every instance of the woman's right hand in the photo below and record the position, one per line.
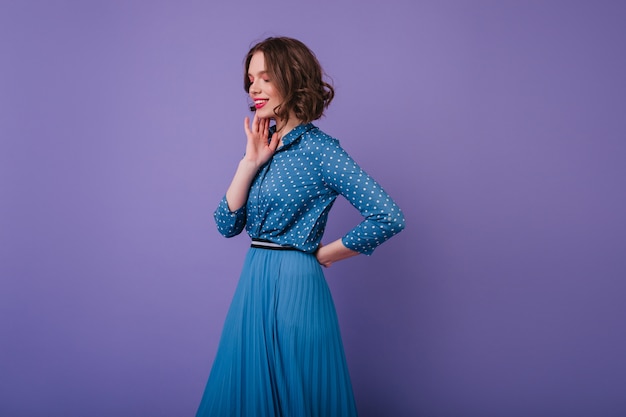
(258, 150)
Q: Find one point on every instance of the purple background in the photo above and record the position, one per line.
(498, 126)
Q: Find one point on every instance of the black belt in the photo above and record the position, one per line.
(266, 244)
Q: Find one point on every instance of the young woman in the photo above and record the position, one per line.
(281, 353)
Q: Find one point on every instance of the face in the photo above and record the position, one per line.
(262, 90)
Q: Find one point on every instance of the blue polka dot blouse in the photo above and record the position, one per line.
(290, 197)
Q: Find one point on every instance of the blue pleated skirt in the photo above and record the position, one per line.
(280, 354)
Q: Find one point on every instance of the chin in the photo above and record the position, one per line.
(263, 114)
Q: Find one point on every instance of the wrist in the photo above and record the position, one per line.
(249, 165)
(320, 256)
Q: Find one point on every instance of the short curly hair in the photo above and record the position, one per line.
(297, 75)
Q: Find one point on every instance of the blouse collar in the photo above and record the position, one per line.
(293, 134)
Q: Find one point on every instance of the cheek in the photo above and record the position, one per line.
(274, 94)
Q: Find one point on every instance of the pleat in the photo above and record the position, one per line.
(280, 353)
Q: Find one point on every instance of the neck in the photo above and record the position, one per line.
(284, 127)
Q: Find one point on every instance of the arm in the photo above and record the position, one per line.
(382, 218)
(258, 152)
(230, 215)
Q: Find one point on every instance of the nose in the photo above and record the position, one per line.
(254, 87)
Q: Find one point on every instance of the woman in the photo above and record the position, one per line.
(281, 353)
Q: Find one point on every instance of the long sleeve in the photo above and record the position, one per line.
(382, 216)
(229, 223)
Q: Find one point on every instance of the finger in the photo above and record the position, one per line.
(246, 125)
(274, 142)
(255, 123)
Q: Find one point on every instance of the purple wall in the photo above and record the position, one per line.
(497, 126)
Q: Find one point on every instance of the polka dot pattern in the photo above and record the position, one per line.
(291, 196)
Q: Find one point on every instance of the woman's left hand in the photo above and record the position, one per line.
(335, 251)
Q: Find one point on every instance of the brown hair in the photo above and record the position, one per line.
(297, 75)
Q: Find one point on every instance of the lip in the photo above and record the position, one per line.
(260, 102)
